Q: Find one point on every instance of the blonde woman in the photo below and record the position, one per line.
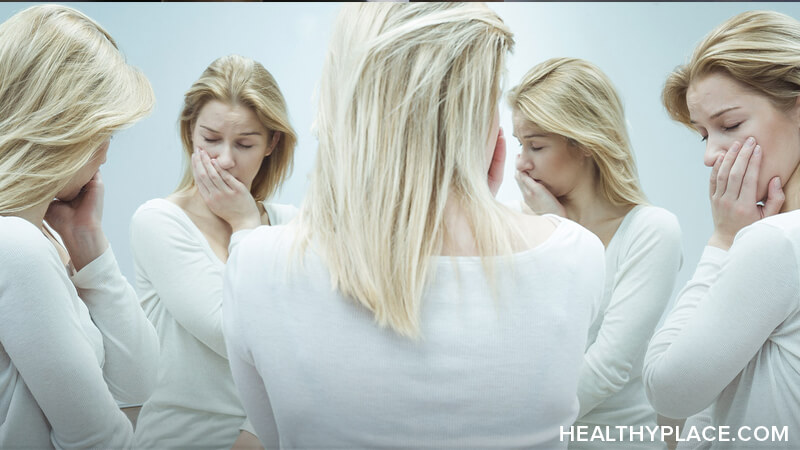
(239, 145)
(73, 340)
(576, 161)
(415, 311)
(731, 340)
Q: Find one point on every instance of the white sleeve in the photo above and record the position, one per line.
(721, 319)
(129, 339)
(186, 280)
(42, 335)
(249, 383)
(643, 285)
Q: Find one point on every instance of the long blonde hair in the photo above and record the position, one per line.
(407, 95)
(760, 49)
(575, 99)
(64, 89)
(237, 80)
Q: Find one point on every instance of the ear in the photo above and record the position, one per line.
(276, 136)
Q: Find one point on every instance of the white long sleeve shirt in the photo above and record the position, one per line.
(70, 347)
(733, 338)
(315, 371)
(179, 280)
(642, 262)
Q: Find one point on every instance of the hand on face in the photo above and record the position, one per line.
(536, 196)
(732, 188)
(224, 195)
(78, 222)
(498, 163)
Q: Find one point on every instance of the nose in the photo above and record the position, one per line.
(524, 162)
(714, 148)
(225, 157)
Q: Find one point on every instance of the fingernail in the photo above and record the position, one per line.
(750, 141)
(757, 151)
(778, 182)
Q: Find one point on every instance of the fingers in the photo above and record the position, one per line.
(229, 179)
(200, 175)
(739, 168)
(214, 178)
(725, 169)
(775, 198)
(749, 187)
(207, 176)
(712, 185)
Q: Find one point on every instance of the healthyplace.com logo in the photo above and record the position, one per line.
(722, 433)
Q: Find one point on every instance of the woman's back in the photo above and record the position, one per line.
(487, 371)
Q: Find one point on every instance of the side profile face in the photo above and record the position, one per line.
(548, 158)
(725, 111)
(234, 137)
(86, 173)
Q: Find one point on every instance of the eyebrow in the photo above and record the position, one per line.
(249, 133)
(718, 113)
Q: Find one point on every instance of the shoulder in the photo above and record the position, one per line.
(158, 213)
(770, 238)
(651, 225)
(279, 213)
(655, 218)
(570, 241)
(23, 248)
(263, 241)
(159, 223)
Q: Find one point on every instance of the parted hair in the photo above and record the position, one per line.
(237, 80)
(759, 49)
(65, 88)
(406, 100)
(573, 98)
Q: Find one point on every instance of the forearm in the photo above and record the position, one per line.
(129, 340)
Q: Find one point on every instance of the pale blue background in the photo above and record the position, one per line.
(637, 45)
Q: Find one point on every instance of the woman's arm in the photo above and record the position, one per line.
(181, 272)
(643, 285)
(44, 339)
(248, 381)
(129, 339)
(723, 316)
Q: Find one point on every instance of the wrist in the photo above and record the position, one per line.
(721, 240)
(85, 246)
(245, 223)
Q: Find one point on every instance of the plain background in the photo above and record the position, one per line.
(635, 44)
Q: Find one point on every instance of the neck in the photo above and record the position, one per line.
(792, 191)
(584, 204)
(458, 239)
(34, 214)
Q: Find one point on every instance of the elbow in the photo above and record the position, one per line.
(669, 396)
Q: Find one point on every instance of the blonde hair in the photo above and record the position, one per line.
(575, 99)
(237, 80)
(407, 95)
(64, 89)
(760, 49)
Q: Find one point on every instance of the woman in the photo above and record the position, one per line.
(237, 136)
(576, 161)
(731, 341)
(415, 311)
(73, 339)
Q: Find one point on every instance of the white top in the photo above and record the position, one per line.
(732, 338)
(179, 280)
(68, 355)
(315, 371)
(642, 262)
